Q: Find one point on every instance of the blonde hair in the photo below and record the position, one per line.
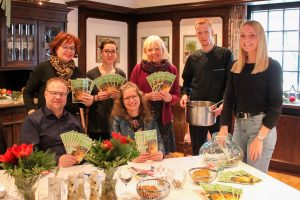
(202, 21)
(155, 40)
(57, 79)
(262, 59)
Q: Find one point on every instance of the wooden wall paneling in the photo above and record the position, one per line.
(82, 17)
(175, 42)
(132, 45)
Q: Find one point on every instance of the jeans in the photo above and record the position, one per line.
(245, 130)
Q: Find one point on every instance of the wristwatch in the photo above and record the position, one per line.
(260, 137)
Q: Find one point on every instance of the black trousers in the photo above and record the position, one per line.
(199, 135)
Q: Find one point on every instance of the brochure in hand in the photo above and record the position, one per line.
(77, 144)
(109, 82)
(224, 192)
(146, 141)
(240, 177)
(80, 85)
(161, 81)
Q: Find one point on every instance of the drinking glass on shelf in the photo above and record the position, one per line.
(125, 176)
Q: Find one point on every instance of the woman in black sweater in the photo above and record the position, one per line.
(254, 94)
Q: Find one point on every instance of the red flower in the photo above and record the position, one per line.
(8, 157)
(12, 154)
(116, 135)
(123, 139)
(107, 144)
(23, 150)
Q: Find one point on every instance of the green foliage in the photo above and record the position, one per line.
(34, 164)
(119, 154)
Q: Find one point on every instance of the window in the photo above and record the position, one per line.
(281, 24)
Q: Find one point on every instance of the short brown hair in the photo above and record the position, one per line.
(57, 79)
(61, 38)
(107, 41)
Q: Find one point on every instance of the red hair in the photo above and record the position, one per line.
(61, 38)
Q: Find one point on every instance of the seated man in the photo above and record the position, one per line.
(43, 127)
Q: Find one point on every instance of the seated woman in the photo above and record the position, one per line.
(130, 114)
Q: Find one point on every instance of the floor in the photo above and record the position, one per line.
(292, 180)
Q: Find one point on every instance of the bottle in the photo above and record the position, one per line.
(24, 42)
(30, 39)
(17, 44)
(10, 43)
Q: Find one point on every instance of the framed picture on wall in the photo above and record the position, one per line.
(99, 40)
(164, 38)
(191, 44)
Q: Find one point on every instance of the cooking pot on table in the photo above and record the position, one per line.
(198, 113)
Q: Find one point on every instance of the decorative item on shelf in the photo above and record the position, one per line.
(38, 1)
(109, 155)
(221, 152)
(26, 166)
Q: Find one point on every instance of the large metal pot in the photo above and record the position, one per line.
(198, 113)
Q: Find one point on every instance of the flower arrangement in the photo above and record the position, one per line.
(26, 165)
(112, 153)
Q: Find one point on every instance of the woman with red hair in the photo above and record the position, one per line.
(63, 49)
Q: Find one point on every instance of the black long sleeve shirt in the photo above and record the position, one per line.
(254, 93)
(205, 74)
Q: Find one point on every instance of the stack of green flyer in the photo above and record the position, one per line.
(240, 177)
(161, 81)
(146, 141)
(79, 86)
(109, 82)
(224, 192)
(77, 144)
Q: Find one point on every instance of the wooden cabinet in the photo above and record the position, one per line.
(12, 118)
(26, 42)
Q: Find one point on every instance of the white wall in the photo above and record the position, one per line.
(106, 28)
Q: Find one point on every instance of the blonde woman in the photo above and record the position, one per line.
(254, 94)
(155, 58)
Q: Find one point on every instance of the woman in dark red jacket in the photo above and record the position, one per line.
(155, 59)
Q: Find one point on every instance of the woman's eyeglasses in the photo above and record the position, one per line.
(134, 97)
(66, 48)
(107, 52)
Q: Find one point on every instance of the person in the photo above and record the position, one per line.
(43, 127)
(155, 59)
(2, 139)
(63, 48)
(254, 94)
(99, 112)
(204, 79)
(130, 114)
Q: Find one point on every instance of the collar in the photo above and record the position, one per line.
(50, 115)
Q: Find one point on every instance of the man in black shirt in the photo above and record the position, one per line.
(43, 127)
(205, 76)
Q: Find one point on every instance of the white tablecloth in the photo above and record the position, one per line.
(268, 188)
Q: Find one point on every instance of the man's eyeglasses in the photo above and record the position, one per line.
(107, 52)
(66, 48)
(134, 97)
(60, 94)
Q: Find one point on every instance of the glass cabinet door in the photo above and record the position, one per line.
(48, 31)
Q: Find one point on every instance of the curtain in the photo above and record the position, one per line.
(237, 17)
(6, 6)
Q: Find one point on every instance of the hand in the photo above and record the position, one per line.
(187, 138)
(31, 111)
(67, 160)
(255, 149)
(115, 94)
(221, 137)
(216, 110)
(153, 96)
(101, 96)
(157, 156)
(86, 98)
(183, 100)
(166, 96)
(143, 157)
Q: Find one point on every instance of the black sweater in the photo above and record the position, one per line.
(254, 93)
(205, 74)
(37, 84)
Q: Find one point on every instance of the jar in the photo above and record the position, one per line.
(221, 152)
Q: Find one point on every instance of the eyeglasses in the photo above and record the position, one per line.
(66, 48)
(134, 97)
(60, 94)
(107, 52)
